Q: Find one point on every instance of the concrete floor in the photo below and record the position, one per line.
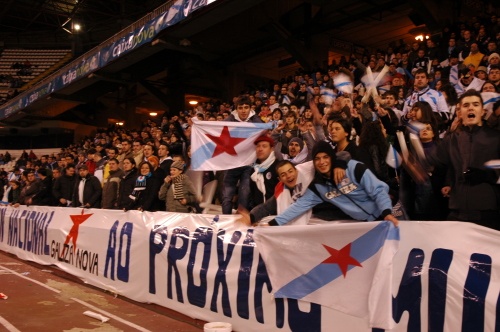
(42, 298)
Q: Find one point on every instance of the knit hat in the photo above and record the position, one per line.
(177, 164)
(481, 68)
(297, 140)
(323, 146)
(494, 55)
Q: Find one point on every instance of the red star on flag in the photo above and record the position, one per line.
(341, 257)
(225, 142)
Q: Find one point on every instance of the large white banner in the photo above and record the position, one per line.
(446, 276)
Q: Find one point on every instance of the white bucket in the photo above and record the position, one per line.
(217, 327)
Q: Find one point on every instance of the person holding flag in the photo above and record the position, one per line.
(241, 175)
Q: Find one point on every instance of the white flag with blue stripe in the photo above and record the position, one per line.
(347, 266)
(220, 145)
(489, 99)
(343, 83)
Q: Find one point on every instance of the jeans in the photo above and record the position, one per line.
(230, 187)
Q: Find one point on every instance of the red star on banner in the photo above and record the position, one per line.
(77, 219)
(341, 257)
(225, 143)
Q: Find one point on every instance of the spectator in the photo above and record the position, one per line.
(360, 194)
(88, 191)
(64, 186)
(111, 186)
(177, 190)
(127, 183)
(145, 189)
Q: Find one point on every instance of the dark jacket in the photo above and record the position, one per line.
(63, 188)
(44, 196)
(127, 184)
(270, 182)
(145, 198)
(92, 192)
(465, 149)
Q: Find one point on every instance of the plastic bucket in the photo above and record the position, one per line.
(217, 327)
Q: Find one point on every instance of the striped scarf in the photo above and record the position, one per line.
(177, 186)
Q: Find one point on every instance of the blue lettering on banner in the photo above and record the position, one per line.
(247, 250)
(410, 291)
(476, 286)
(155, 248)
(28, 231)
(122, 271)
(197, 294)
(220, 276)
(3, 213)
(303, 321)
(438, 281)
(176, 253)
(263, 279)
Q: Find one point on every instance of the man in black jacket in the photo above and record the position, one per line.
(64, 186)
(88, 190)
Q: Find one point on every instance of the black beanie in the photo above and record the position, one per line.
(323, 146)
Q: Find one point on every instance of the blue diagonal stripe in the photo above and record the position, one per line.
(362, 249)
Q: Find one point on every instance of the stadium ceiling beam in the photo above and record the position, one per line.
(320, 27)
(426, 14)
(175, 44)
(293, 46)
(155, 92)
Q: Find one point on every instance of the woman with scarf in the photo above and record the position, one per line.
(178, 190)
(145, 189)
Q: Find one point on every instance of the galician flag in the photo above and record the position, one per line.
(347, 266)
(220, 145)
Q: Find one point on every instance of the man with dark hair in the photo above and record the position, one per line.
(164, 158)
(44, 196)
(126, 151)
(111, 186)
(241, 175)
(88, 191)
(473, 190)
(64, 186)
(32, 187)
(422, 92)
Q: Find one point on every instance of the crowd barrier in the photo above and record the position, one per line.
(445, 276)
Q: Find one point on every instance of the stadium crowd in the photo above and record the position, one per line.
(418, 141)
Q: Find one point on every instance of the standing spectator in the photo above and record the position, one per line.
(177, 190)
(44, 196)
(241, 175)
(143, 193)
(111, 186)
(138, 155)
(422, 92)
(473, 190)
(127, 183)
(264, 177)
(64, 186)
(31, 187)
(88, 191)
